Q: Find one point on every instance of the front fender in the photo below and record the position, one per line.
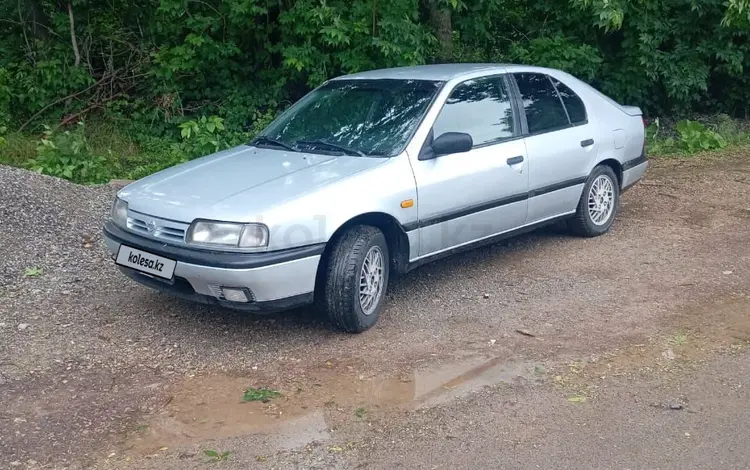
(317, 216)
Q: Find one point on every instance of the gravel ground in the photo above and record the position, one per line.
(96, 371)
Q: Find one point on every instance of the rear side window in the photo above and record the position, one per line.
(544, 110)
(574, 104)
(480, 108)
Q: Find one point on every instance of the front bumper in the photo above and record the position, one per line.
(277, 280)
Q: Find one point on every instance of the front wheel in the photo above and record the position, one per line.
(357, 279)
(598, 205)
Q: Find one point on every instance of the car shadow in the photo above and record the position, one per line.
(307, 319)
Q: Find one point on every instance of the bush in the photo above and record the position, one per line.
(695, 137)
(68, 155)
(203, 136)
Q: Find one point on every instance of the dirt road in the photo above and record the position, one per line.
(631, 350)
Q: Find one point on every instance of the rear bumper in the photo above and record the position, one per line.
(633, 171)
(276, 280)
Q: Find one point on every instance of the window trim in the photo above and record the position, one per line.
(585, 109)
(519, 101)
(557, 92)
(517, 125)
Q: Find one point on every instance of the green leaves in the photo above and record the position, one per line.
(561, 53)
(67, 155)
(166, 63)
(695, 137)
(737, 14)
(32, 271)
(203, 136)
(260, 394)
(216, 456)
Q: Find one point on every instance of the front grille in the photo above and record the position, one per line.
(157, 228)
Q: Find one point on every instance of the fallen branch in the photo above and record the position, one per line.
(525, 333)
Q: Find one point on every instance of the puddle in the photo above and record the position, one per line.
(211, 407)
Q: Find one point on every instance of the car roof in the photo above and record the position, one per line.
(437, 72)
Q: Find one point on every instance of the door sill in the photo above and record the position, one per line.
(491, 240)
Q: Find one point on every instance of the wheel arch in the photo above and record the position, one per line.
(395, 235)
(616, 167)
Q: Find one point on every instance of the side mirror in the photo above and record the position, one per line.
(447, 143)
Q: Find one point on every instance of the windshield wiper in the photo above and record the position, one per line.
(263, 140)
(342, 148)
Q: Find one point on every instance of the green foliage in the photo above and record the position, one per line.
(216, 456)
(687, 137)
(581, 60)
(5, 98)
(695, 137)
(260, 394)
(32, 271)
(179, 79)
(203, 136)
(68, 155)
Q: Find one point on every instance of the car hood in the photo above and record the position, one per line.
(237, 185)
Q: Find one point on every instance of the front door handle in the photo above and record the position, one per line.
(587, 142)
(515, 160)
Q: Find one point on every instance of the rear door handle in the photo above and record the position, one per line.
(515, 160)
(587, 142)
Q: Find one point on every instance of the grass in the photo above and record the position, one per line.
(32, 272)
(18, 149)
(680, 339)
(216, 456)
(360, 412)
(262, 394)
(127, 156)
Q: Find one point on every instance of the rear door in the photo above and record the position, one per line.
(464, 197)
(559, 142)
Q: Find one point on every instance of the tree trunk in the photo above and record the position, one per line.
(439, 17)
(73, 35)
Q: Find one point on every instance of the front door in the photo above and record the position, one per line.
(465, 197)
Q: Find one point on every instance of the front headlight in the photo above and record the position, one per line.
(203, 232)
(120, 212)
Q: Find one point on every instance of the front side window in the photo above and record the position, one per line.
(572, 102)
(544, 110)
(480, 108)
(370, 117)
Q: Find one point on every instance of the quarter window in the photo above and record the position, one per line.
(574, 104)
(480, 108)
(544, 110)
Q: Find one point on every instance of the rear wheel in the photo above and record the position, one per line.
(356, 279)
(598, 205)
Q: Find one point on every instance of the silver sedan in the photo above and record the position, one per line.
(373, 174)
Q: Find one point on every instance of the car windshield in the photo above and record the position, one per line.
(354, 117)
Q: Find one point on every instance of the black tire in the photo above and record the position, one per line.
(582, 224)
(340, 298)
